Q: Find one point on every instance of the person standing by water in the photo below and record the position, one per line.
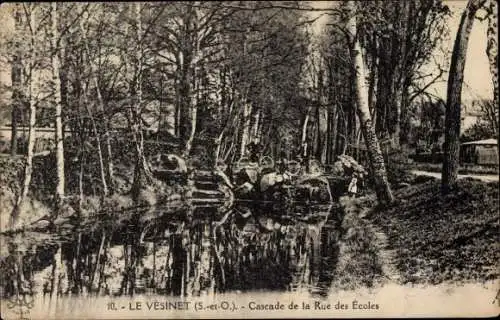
(353, 186)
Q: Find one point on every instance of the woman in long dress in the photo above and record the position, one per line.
(353, 186)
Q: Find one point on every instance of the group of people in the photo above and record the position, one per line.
(254, 150)
(256, 178)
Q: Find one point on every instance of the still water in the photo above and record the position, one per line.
(189, 251)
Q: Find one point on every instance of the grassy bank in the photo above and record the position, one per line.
(442, 238)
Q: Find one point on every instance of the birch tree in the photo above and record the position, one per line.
(142, 173)
(17, 78)
(382, 187)
(245, 135)
(56, 82)
(32, 103)
(28, 167)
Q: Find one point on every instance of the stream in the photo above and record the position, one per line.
(188, 251)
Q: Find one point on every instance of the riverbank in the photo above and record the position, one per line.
(438, 238)
(37, 211)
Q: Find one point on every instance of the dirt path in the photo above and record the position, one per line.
(385, 255)
(363, 249)
(485, 178)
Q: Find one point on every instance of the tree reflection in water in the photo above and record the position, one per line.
(195, 251)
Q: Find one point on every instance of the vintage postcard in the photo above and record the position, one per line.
(249, 159)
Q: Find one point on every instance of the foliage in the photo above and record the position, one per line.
(428, 131)
(486, 125)
(29, 211)
(400, 42)
(398, 169)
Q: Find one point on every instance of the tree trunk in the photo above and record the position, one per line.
(142, 173)
(107, 139)
(28, 167)
(372, 98)
(58, 107)
(13, 129)
(56, 269)
(322, 118)
(245, 137)
(381, 98)
(406, 129)
(400, 55)
(31, 138)
(17, 78)
(328, 139)
(229, 122)
(303, 140)
(398, 99)
(98, 143)
(357, 145)
(454, 96)
(89, 111)
(376, 162)
(351, 114)
(193, 105)
(324, 150)
(184, 68)
(492, 52)
(335, 120)
(95, 273)
(80, 179)
(218, 142)
(194, 114)
(318, 144)
(256, 126)
(177, 111)
(185, 105)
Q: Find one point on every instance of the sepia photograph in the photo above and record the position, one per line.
(249, 159)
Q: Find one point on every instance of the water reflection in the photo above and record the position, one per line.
(191, 252)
